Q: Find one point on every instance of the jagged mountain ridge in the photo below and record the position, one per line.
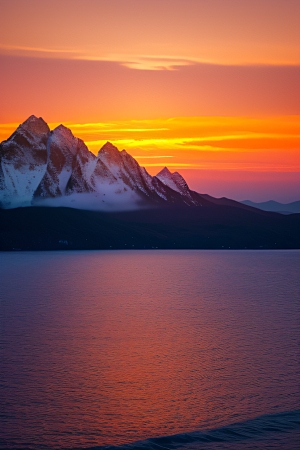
(68, 165)
(37, 164)
(23, 161)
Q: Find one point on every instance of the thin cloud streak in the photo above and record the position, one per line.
(34, 49)
(135, 62)
(153, 157)
(224, 166)
(97, 91)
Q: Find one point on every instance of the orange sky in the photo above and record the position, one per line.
(207, 87)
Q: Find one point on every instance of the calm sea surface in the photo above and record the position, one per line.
(110, 347)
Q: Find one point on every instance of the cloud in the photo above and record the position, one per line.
(36, 52)
(86, 91)
(132, 61)
(158, 62)
(155, 156)
(138, 62)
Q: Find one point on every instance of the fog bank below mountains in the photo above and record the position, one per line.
(110, 201)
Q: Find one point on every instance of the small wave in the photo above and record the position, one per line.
(276, 431)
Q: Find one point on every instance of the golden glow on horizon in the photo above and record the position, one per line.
(192, 143)
(269, 144)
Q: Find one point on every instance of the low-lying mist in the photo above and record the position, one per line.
(110, 201)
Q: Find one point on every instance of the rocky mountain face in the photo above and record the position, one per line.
(69, 165)
(176, 182)
(23, 162)
(37, 164)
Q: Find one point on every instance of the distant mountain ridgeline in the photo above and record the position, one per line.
(271, 205)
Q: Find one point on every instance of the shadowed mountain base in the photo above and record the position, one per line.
(215, 227)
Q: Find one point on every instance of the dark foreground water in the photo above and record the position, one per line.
(104, 348)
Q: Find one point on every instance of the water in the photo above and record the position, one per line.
(104, 348)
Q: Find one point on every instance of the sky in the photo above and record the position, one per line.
(209, 88)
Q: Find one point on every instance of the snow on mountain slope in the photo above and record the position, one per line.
(165, 177)
(23, 160)
(69, 165)
(176, 182)
(123, 169)
(37, 165)
(120, 168)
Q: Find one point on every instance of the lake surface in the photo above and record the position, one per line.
(106, 348)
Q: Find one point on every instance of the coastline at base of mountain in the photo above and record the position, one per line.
(207, 227)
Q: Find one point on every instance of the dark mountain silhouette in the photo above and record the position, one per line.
(172, 227)
(115, 203)
(271, 205)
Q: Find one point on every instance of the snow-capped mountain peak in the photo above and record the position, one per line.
(64, 139)
(63, 131)
(108, 148)
(176, 182)
(38, 164)
(23, 160)
(165, 172)
(34, 125)
(169, 179)
(110, 154)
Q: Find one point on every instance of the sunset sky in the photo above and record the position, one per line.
(209, 88)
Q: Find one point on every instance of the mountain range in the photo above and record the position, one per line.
(271, 205)
(102, 201)
(37, 164)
